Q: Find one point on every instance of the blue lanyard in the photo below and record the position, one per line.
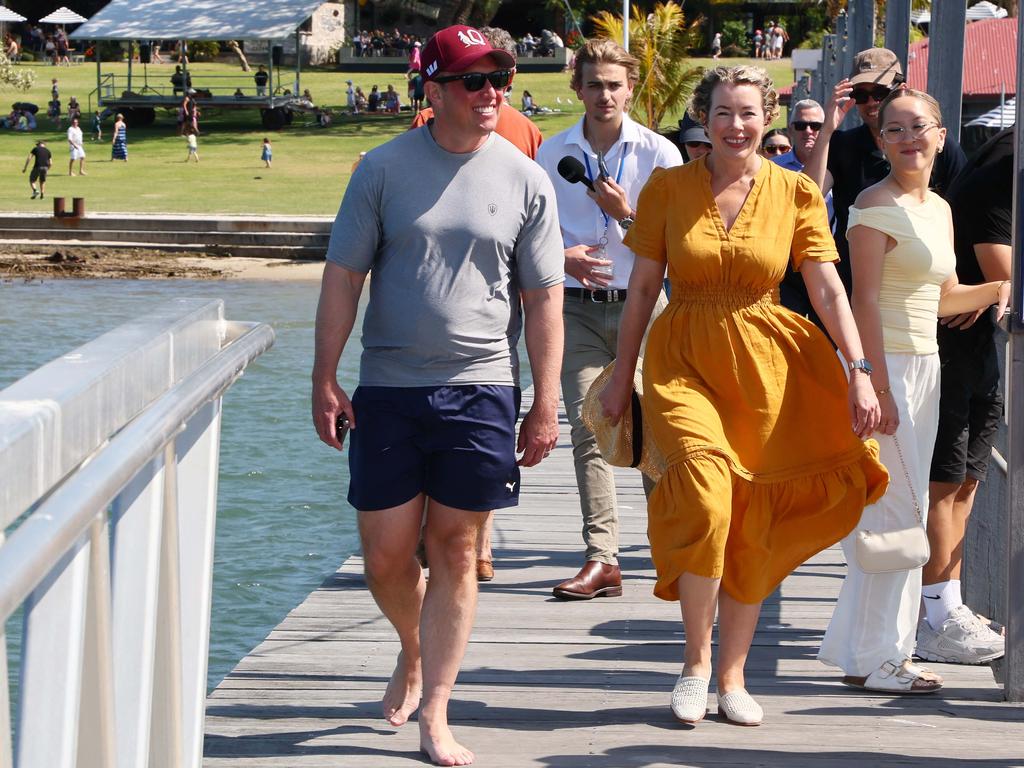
(618, 176)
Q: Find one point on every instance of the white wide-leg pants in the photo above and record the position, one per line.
(875, 618)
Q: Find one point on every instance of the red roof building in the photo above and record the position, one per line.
(990, 65)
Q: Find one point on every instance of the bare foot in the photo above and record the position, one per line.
(439, 744)
(402, 697)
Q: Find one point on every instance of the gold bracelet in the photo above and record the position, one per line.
(999, 288)
(882, 391)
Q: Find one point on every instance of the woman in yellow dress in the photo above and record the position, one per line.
(747, 400)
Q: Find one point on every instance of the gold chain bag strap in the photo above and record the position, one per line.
(889, 551)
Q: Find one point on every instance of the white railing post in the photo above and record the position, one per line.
(97, 746)
(165, 740)
(198, 461)
(136, 514)
(50, 688)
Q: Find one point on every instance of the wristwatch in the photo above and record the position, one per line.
(861, 365)
(627, 222)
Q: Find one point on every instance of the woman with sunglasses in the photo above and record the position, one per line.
(747, 401)
(901, 248)
(774, 143)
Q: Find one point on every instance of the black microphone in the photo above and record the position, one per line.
(571, 169)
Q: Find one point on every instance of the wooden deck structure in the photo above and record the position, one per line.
(587, 684)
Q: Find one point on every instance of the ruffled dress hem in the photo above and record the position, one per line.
(797, 513)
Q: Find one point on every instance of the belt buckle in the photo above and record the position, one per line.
(593, 297)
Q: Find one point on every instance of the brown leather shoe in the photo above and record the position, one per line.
(484, 570)
(594, 580)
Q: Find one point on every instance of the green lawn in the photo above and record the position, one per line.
(311, 164)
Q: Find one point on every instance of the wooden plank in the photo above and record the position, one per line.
(557, 685)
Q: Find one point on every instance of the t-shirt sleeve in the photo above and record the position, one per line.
(539, 259)
(992, 219)
(646, 237)
(812, 236)
(356, 233)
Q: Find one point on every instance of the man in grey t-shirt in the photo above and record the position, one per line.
(455, 254)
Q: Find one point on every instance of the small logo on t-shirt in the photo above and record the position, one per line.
(492, 209)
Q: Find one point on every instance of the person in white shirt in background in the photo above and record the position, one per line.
(597, 269)
(76, 148)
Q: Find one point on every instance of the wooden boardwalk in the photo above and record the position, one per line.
(567, 685)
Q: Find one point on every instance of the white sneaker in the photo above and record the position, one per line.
(962, 639)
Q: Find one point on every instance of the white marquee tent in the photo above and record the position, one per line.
(197, 20)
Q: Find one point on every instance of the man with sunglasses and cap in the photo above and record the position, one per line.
(455, 253)
(616, 156)
(848, 162)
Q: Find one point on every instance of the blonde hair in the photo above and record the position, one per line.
(603, 51)
(700, 101)
(929, 101)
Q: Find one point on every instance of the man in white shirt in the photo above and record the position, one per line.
(597, 268)
(76, 148)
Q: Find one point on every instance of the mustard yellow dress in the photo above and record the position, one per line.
(747, 400)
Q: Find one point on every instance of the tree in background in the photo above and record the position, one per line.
(660, 41)
(19, 78)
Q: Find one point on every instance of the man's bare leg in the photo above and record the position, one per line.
(395, 579)
(449, 608)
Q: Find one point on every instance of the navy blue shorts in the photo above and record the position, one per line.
(456, 444)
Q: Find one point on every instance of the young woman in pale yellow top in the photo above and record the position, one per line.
(746, 400)
(901, 251)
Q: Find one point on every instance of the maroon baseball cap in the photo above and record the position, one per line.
(455, 49)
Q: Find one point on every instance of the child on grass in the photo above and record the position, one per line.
(268, 153)
(193, 146)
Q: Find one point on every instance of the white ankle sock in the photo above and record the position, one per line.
(939, 600)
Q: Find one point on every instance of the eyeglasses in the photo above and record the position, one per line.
(803, 125)
(696, 144)
(876, 92)
(776, 149)
(896, 133)
(474, 81)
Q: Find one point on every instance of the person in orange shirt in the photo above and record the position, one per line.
(512, 124)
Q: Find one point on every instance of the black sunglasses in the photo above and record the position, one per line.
(696, 144)
(803, 125)
(474, 81)
(876, 92)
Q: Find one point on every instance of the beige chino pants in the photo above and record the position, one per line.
(591, 339)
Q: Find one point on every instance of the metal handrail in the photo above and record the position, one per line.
(52, 529)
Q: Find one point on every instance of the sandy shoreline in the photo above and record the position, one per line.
(58, 262)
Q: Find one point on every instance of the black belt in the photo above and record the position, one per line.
(608, 296)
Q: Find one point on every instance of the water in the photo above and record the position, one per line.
(283, 523)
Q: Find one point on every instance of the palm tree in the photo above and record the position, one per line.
(660, 41)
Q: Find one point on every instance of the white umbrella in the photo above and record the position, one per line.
(1000, 117)
(6, 14)
(63, 16)
(985, 10)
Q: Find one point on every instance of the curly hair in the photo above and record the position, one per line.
(700, 101)
(603, 51)
(899, 93)
(499, 38)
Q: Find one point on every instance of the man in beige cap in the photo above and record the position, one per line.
(847, 162)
